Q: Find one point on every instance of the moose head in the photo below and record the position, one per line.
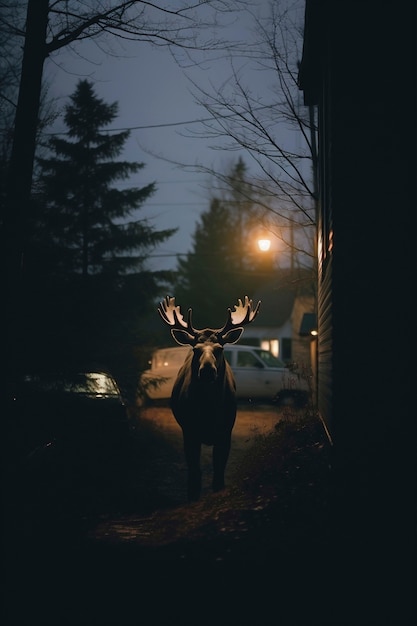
(208, 343)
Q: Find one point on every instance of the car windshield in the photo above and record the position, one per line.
(91, 383)
(269, 359)
(169, 358)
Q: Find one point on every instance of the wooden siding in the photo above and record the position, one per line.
(325, 256)
(325, 349)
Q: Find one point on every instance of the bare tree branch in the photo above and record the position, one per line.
(183, 25)
(273, 128)
(48, 26)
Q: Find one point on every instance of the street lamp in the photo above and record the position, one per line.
(264, 244)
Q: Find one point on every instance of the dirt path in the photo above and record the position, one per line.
(160, 505)
(251, 422)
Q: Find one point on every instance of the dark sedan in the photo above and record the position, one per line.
(65, 430)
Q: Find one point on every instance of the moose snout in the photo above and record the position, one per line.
(207, 363)
(207, 371)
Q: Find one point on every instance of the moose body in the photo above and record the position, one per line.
(203, 399)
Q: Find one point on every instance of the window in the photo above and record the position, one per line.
(269, 359)
(272, 345)
(286, 345)
(228, 356)
(247, 359)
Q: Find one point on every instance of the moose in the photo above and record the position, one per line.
(203, 399)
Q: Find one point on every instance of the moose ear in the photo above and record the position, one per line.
(231, 336)
(182, 337)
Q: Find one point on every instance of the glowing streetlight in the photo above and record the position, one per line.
(264, 245)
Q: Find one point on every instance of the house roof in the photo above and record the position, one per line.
(276, 305)
(315, 27)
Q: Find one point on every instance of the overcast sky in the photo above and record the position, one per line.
(154, 98)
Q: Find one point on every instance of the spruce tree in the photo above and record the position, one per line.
(87, 248)
(211, 277)
(224, 264)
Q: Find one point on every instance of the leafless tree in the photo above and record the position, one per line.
(270, 124)
(48, 26)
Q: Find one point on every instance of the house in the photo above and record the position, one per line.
(359, 69)
(278, 325)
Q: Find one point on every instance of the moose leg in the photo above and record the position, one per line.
(221, 451)
(192, 451)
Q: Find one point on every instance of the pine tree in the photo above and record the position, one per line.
(86, 216)
(224, 264)
(85, 246)
(210, 278)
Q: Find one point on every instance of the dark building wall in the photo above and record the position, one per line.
(359, 67)
(363, 71)
(372, 180)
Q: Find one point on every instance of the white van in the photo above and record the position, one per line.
(258, 374)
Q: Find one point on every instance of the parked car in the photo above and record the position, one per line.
(62, 429)
(81, 406)
(258, 373)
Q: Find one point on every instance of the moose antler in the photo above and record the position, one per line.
(171, 315)
(242, 315)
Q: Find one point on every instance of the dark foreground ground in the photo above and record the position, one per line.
(271, 549)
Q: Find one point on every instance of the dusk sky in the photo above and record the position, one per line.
(154, 98)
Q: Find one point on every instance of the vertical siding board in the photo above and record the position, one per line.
(325, 251)
(325, 347)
